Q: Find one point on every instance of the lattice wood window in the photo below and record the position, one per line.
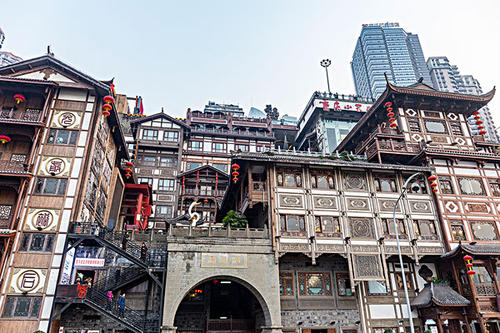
(390, 230)
(361, 227)
(286, 284)
(483, 281)
(435, 126)
(414, 124)
(367, 266)
(457, 231)
(5, 211)
(471, 186)
(446, 185)
(344, 287)
(292, 223)
(328, 226)
(315, 284)
(322, 180)
(485, 231)
(289, 178)
(355, 181)
(495, 187)
(425, 229)
(385, 183)
(456, 128)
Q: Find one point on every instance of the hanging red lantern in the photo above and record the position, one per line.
(479, 122)
(107, 107)
(432, 178)
(128, 170)
(390, 115)
(482, 132)
(5, 139)
(205, 201)
(435, 190)
(389, 109)
(108, 99)
(235, 180)
(19, 98)
(393, 125)
(392, 120)
(475, 113)
(433, 185)
(387, 104)
(235, 173)
(235, 166)
(128, 175)
(471, 272)
(480, 127)
(477, 117)
(468, 259)
(106, 113)
(129, 164)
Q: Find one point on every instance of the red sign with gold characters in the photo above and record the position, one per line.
(82, 290)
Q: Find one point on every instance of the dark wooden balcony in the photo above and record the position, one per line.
(386, 132)
(235, 133)
(28, 116)
(390, 146)
(14, 168)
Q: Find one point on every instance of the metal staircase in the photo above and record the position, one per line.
(143, 266)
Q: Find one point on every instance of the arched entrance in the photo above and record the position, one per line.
(220, 305)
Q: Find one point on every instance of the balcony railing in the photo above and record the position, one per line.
(209, 193)
(218, 231)
(28, 115)
(231, 132)
(378, 131)
(13, 167)
(392, 146)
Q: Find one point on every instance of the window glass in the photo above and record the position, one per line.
(425, 229)
(446, 185)
(149, 134)
(166, 185)
(163, 211)
(171, 136)
(62, 137)
(221, 166)
(457, 231)
(37, 241)
(376, 288)
(55, 186)
(219, 147)
(241, 147)
(456, 128)
(399, 281)
(148, 160)
(414, 125)
(322, 181)
(343, 284)
(293, 223)
(385, 184)
(315, 284)
(286, 284)
(195, 145)
(168, 162)
(192, 165)
(145, 180)
(390, 230)
(471, 186)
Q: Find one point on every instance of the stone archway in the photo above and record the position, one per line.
(184, 272)
(220, 302)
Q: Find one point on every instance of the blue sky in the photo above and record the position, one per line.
(180, 54)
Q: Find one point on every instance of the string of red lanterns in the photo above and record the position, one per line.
(235, 172)
(390, 115)
(128, 170)
(432, 180)
(468, 263)
(479, 123)
(108, 100)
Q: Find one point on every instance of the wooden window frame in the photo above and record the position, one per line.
(296, 174)
(169, 188)
(378, 179)
(59, 192)
(299, 230)
(325, 283)
(470, 178)
(330, 179)
(290, 279)
(191, 146)
(461, 224)
(154, 137)
(72, 135)
(167, 138)
(343, 276)
(29, 236)
(9, 311)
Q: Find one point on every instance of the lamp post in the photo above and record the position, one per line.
(325, 63)
(403, 191)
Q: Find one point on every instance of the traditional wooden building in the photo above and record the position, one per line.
(418, 125)
(333, 236)
(62, 159)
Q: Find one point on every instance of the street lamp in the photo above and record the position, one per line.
(403, 191)
(325, 63)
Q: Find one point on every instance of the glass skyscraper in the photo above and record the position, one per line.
(387, 48)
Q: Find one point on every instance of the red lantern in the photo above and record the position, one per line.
(389, 109)
(477, 117)
(106, 113)
(467, 257)
(392, 120)
(107, 107)
(387, 104)
(108, 99)
(235, 180)
(479, 122)
(393, 125)
(434, 185)
(432, 178)
(128, 175)
(235, 167)
(435, 190)
(129, 164)
(475, 113)
(235, 173)
(482, 132)
(390, 115)
(5, 139)
(468, 265)
(471, 272)
(19, 98)
(128, 170)
(480, 127)
(205, 201)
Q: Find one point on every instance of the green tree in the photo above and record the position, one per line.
(235, 219)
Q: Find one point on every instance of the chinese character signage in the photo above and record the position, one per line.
(224, 260)
(41, 219)
(55, 166)
(333, 105)
(66, 119)
(29, 280)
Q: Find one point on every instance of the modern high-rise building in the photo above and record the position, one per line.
(446, 77)
(386, 49)
(2, 37)
(6, 58)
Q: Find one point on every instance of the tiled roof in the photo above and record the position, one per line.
(477, 249)
(440, 294)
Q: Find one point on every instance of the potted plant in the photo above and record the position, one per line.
(235, 219)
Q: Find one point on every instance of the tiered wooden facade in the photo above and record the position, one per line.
(432, 130)
(334, 239)
(63, 163)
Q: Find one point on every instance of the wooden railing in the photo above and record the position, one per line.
(28, 115)
(391, 146)
(218, 231)
(13, 167)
